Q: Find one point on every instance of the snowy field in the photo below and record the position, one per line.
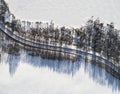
(34, 75)
(66, 12)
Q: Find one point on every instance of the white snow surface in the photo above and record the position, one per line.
(66, 12)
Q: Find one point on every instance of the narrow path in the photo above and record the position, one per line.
(70, 50)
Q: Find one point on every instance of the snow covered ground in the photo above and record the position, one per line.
(35, 75)
(66, 12)
(42, 80)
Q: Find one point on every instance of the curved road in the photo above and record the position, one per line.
(59, 48)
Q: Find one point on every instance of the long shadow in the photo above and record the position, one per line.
(67, 67)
